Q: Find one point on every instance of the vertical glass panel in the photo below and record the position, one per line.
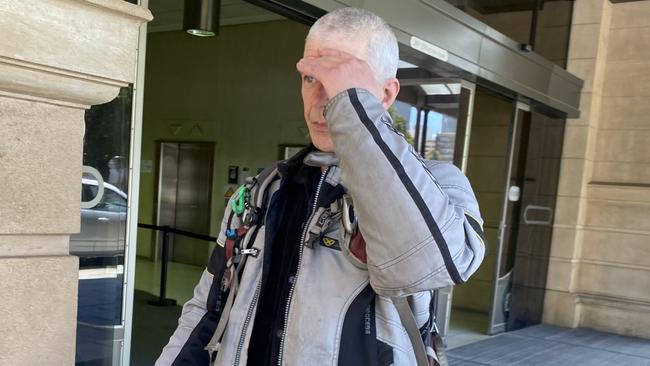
(101, 243)
(539, 182)
(486, 169)
(428, 110)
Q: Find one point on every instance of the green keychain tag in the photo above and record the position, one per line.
(239, 205)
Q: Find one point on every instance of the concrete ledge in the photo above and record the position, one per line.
(73, 51)
(616, 316)
(33, 245)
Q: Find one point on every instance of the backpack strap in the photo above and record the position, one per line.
(425, 355)
(252, 217)
(408, 321)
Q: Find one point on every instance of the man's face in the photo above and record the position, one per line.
(314, 97)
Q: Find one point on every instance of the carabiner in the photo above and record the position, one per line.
(348, 217)
(239, 205)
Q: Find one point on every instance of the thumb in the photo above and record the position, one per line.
(305, 66)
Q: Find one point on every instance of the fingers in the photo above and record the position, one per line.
(306, 67)
(330, 52)
(317, 66)
(337, 70)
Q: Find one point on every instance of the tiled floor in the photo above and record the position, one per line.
(467, 342)
(466, 327)
(181, 279)
(153, 325)
(548, 345)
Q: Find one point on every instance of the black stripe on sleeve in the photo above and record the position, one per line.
(477, 227)
(408, 184)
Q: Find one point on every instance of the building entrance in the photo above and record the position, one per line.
(461, 102)
(513, 165)
(505, 149)
(510, 153)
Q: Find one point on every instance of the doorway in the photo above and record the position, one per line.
(513, 166)
(184, 198)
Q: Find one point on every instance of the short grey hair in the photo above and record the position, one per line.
(382, 52)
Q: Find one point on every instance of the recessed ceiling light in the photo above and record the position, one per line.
(201, 17)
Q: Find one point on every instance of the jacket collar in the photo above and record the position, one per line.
(289, 166)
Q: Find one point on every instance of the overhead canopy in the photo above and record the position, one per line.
(440, 38)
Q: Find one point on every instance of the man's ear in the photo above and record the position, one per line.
(391, 89)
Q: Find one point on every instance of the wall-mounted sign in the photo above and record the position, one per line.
(233, 174)
(228, 193)
(430, 49)
(146, 166)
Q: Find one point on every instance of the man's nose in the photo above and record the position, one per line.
(321, 95)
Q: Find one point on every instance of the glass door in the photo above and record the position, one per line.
(538, 184)
(101, 244)
(486, 164)
(509, 223)
(526, 227)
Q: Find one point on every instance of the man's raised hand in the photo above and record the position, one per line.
(338, 71)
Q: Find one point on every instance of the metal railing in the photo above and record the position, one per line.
(166, 230)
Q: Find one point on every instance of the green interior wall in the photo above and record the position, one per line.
(239, 90)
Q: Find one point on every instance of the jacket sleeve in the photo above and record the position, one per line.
(200, 314)
(420, 221)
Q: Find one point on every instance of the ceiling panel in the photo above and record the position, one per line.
(168, 14)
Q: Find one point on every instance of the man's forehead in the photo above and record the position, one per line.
(355, 47)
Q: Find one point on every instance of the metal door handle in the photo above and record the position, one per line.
(538, 208)
(103, 219)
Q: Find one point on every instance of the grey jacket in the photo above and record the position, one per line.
(422, 229)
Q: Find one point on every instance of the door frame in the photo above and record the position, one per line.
(500, 282)
(133, 201)
(444, 297)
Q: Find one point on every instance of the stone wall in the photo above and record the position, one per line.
(599, 275)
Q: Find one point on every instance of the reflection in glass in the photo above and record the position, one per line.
(100, 245)
(431, 107)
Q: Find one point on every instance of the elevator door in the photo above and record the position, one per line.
(184, 195)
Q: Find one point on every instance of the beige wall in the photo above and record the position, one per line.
(599, 275)
(239, 90)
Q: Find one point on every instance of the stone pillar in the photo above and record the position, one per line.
(586, 59)
(57, 58)
(600, 265)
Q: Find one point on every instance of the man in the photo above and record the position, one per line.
(316, 288)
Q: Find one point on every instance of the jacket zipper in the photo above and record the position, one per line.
(254, 252)
(249, 315)
(300, 250)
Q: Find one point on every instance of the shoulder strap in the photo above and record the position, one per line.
(423, 353)
(263, 179)
(260, 200)
(408, 321)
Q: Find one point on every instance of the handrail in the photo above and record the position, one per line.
(166, 230)
(177, 231)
